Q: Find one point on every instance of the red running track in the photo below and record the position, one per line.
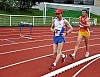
(20, 57)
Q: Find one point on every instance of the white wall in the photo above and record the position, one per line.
(94, 9)
(90, 2)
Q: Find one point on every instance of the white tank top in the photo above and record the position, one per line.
(59, 26)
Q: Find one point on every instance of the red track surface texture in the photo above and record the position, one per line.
(21, 57)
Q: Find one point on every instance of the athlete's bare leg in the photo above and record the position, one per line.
(76, 46)
(59, 53)
(55, 48)
(87, 46)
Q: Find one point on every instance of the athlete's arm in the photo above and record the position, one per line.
(52, 26)
(88, 22)
(69, 26)
(66, 23)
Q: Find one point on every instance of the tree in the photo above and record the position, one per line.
(69, 1)
(25, 5)
(4, 5)
(11, 3)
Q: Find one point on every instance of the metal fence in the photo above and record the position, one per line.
(14, 20)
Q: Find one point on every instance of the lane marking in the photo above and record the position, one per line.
(37, 41)
(31, 36)
(85, 66)
(42, 46)
(13, 42)
(43, 36)
(65, 68)
(36, 29)
(18, 31)
(24, 34)
(17, 34)
(25, 61)
(34, 41)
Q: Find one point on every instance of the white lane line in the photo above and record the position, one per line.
(40, 36)
(35, 41)
(65, 68)
(35, 29)
(24, 34)
(37, 47)
(10, 35)
(85, 67)
(17, 34)
(3, 67)
(11, 41)
(32, 36)
(34, 32)
(13, 38)
(32, 41)
(25, 42)
(18, 31)
(24, 49)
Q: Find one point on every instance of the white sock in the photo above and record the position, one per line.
(63, 55)
(73, 54)
(87, 52)
(54, 64)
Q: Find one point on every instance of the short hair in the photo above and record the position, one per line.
(85, 11)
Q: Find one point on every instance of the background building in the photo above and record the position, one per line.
(83, 2)
(97, 2)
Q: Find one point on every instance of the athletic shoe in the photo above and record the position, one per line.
(87, 54)
(72, 56)
(52, 67)
(64, 58)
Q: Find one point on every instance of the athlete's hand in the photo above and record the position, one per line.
(52, 30)
(64, 34)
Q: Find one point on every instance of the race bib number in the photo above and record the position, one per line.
(57, 32)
